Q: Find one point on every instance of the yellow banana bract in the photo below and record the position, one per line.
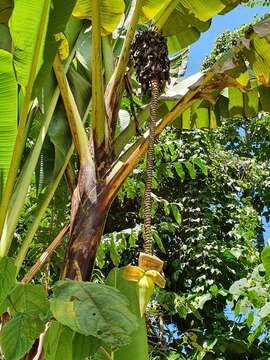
(147, 275)
(150, 262)
(146, 288)
(133, 273)
(157, 278)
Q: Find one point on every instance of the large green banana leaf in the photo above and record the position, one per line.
(60, 13)
(48, 105)
(8, 114)
(183, 20)
(247, 84)
(24, 26)
(111, 13)
(232, 103)
(58, 140)
(201, 9)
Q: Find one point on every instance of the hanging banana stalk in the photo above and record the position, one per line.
(150, 57)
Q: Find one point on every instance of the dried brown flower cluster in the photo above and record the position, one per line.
(150, 55)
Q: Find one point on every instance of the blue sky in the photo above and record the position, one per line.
(198, 51)
(235, 18)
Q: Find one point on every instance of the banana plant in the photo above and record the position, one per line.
(40, 76)
(61, 61)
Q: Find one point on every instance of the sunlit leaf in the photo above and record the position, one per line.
(24, 35)
(158, 241)
(190, 168)
(110, 13)
(176, 213)
(250, 319)
(60, 12)
(266, 259)
(179, 170)
(265, 310)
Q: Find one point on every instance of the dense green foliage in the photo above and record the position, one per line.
(222, 205)
(211, 192)
(254, 3)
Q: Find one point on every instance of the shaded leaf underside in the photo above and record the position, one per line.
(246, 92)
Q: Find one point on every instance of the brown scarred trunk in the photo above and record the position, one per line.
(88, 216)
(84, 240)
(89, 212)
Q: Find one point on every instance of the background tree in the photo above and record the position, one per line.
(222, 204)
(205, 231)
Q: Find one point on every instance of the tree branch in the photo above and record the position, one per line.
(46, 255)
